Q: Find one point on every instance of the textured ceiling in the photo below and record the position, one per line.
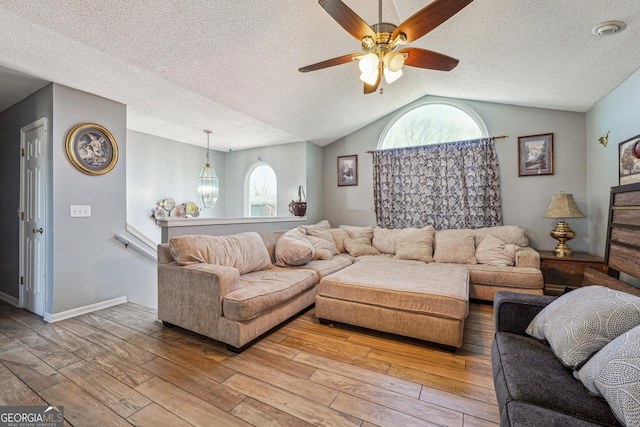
(231, 66)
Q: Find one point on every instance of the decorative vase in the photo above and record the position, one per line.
(298, 208)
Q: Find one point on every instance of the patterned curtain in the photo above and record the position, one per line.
(449, 185)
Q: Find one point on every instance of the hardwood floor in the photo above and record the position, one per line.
(120, 366)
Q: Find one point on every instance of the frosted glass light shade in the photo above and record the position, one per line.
(370, 78)
(368, 63)
(393, 61)
(208, 187)
(392, 76)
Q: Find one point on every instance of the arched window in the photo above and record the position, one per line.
(432, 122)
(262, 191)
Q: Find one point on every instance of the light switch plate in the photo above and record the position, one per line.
(80, 211)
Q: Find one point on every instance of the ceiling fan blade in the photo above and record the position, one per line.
(429, 59)
(372, 88)
(330, 62)
(429, 18)
(347, 18)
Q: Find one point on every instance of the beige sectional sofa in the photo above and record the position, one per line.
(235, 288)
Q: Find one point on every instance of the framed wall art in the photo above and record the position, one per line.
(535, 155)
(629, 160)
(347, 170)
(91, 149)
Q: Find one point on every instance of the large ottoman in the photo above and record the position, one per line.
(410, 298)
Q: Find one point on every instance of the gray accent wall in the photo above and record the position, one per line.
(618, 112)
(36, 106)
(524, 199)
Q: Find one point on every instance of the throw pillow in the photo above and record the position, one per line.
(322, 225)
(384, 239)
(322, 248)
(356, 231)
(511, 234)
(244, 251)
(455, 246)
(326, 235)
(293, 248)
(339, 235)
(581, 322)
(416, 244)
(614, 373)
(493, 251)
(360, 246)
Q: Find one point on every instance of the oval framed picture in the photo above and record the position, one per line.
(92, 149)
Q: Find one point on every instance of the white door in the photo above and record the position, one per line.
(33, 145)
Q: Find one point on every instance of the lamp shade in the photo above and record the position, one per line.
(563, 206)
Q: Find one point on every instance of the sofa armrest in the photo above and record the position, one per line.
(528, 257)
(191, 296)
(513, 311)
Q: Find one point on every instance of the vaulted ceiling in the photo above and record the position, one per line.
(232, 66)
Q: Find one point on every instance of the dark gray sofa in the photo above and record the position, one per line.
(532, 386)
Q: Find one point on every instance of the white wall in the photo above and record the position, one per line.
(524, 199)
(618, 113)
(161, 168)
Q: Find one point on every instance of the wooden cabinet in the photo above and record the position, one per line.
(562, 272)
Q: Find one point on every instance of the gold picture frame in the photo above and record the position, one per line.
(91, 149)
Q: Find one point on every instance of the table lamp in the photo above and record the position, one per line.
(562, 206)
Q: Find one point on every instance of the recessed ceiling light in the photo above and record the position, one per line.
(608, 28)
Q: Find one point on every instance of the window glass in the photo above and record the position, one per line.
(262, 191)
(430, 123)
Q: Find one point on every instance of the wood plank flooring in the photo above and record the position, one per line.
(120, 366)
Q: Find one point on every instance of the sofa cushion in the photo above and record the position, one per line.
(293, 248)
(493, 251)
(357, 231)
(261, 291)
(514, 277)
(455, 246)
(614, 373)
(384, 239)
(323, 249)
(360, 246)
(324, 267)
(510, 234)
(581, 322)
(244, 251)
(339, 235)
(326, 235)
(322, 225)
(415, 244)
(534, 389)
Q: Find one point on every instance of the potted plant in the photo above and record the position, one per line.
(299, 208)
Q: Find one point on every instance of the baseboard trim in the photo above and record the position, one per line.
(56, 317)
(9, 299)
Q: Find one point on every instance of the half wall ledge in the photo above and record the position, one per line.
(172, 227)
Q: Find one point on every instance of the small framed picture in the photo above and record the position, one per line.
(535, 155)
(629, 164)
(91, 149)
(347, 170)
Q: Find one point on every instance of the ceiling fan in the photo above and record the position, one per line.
(382, 44)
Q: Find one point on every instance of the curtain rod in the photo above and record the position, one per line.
(491, 137)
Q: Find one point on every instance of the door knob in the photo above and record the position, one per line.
(37, 230)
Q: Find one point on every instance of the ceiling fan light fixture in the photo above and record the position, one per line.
(393, 61)
(370, 78)
(392, 76)
(368, 63)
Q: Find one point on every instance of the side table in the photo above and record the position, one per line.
(565, 272)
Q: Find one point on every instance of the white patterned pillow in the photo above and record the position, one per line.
(581, 322)
(614, 373)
